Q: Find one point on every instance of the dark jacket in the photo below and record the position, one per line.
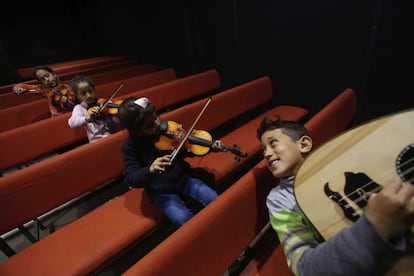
(138, 159)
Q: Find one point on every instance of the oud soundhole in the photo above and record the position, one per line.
(405, 164)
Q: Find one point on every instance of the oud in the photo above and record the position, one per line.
(335, 181)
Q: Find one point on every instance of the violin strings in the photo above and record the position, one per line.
(363, 196)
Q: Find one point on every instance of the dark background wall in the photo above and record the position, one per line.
(312, 50)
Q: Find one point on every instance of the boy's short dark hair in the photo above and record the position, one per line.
(294, 130)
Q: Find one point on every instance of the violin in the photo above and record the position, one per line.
(107, 106)
(54, 93)
(199, 142)
(59, 91)
(110, 108)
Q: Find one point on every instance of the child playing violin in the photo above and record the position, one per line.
(60, 96)
(88, 114)
(148, 167)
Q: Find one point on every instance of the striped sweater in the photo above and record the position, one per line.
(358, 250)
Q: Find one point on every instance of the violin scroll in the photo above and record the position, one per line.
(236, 150)
(21, 90)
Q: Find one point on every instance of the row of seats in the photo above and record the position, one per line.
(90, 242)
(37, 110)
(84, 68)
(218, 234)
(10, 99)
(26, 73)
(34, 139)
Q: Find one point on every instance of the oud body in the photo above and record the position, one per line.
(334, 183)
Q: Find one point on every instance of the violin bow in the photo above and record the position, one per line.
(110, 98)
(190, 130)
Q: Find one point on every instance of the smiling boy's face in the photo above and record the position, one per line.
(282, 155)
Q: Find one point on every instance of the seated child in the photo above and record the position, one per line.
(60, 97)
(151, 168)
(87, 114)
(374, 241)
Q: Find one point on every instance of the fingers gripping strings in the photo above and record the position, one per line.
(360, 195)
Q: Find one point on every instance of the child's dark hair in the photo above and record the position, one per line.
(294, 130)
(42, 67)
(74, 83)
(132, 111)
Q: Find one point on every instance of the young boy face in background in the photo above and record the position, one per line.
(47, 78)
